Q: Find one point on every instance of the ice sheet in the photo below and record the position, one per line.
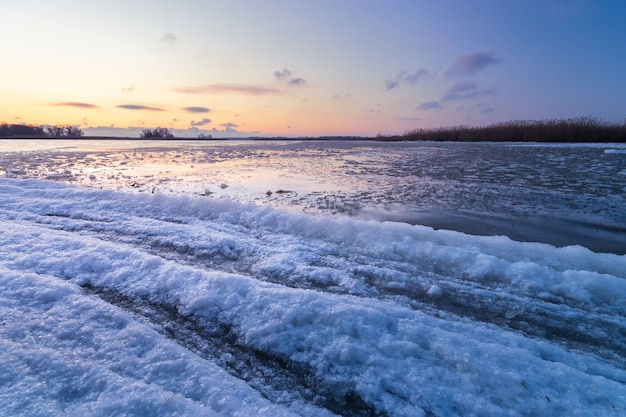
(558, 194)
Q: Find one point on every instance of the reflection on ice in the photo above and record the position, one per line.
(560, 194)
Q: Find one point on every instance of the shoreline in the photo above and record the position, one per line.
(391, 139)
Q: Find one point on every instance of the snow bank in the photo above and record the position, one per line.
(132, 304)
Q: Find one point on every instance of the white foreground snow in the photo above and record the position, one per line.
(139, 304)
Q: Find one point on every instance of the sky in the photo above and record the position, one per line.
(310, 67)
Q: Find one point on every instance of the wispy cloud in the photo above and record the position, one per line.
(282, 75)
(405, 77)
(168, 38)
(429, 105)
(341, 97)
(139, 107)
(285, 76)
(481, 108)
(470, 64)
(249, 90)
(202, 122)
(229, 126)
(77, 105)
(466, 91)
(194, 109)
(129, 89)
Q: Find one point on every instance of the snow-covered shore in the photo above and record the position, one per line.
(117, 303)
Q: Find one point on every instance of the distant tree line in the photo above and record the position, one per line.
(43, 131)
(581, 129)
(23, 130)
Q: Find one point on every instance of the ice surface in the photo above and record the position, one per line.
(126, 303)
(558, 194)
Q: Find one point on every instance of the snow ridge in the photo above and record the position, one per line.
(127, 304)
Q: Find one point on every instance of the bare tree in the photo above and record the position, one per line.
(54, 131)
(157, 133)
(63, 131)
(73, 131)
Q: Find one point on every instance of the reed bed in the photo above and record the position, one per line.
(580, 129)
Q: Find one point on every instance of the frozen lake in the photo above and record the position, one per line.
(557, 194)
(259, 279)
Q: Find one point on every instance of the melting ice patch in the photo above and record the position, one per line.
(136, 304)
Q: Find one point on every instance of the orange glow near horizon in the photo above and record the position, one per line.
(255, 120)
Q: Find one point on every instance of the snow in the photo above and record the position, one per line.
(125, 303)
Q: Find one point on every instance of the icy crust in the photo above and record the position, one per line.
(131, 304)
(559, 194)
(68, 353)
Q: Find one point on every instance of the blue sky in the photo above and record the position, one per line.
(300, 68)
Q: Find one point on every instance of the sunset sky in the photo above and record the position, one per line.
(309, 67)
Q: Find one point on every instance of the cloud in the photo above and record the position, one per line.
(249, 90)
(415, 77)
(202, 122)
(129, 89)
(463, 87)
(229, 126)
(194, 109)
(168, 38)
(341, 97)
(471, 63)
(285, 75)
(429, 105)
(482, 108)
(466, 91)
(139, 107)
(282, 75)
(78, 105)
(405, 77)
(391, 84)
